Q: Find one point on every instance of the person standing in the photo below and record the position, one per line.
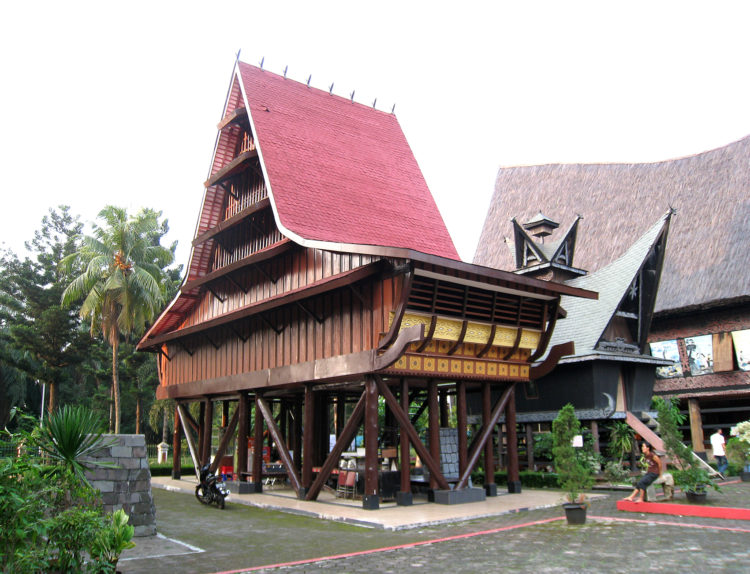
(653, 472)
(720, 454)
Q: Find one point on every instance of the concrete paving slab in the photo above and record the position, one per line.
(389, 516)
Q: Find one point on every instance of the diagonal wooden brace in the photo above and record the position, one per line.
(405, 423)
(280, 443)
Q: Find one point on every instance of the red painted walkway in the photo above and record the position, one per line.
(684, 510)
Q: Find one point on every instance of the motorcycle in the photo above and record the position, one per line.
(210, 489)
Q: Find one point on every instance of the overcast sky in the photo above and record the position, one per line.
(117, 103)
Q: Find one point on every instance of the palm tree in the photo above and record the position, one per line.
(122, 282)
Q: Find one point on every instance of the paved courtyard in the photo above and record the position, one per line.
(242, 538)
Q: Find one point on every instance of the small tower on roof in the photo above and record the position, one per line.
(550, 260)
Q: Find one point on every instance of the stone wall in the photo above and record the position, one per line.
(129, 485)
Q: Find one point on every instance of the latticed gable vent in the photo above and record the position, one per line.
(430, 295)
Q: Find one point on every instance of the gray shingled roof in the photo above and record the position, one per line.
(587, 319)
(709, 238)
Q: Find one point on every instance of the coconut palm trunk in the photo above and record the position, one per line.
(116, 381)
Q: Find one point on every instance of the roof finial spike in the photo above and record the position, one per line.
(285, 70)
(263, 59)
(393, 109)
(238, 55)
(375, 101)
(308, 80)
(352, 96)
(330, 89)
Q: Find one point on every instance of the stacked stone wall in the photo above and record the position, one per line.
(128, 486)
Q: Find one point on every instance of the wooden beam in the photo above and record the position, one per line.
(370, 499)
(512, 438)
(398, 316)
(308, 442)
(555, 354)
(345, 438)
(191, 444)
(235, 116)
(461, 417)
(484, 434)
(489, 459)
(490, 340)
(237, 165)
(242, 422)
(221, 449)
(257, 257)
(280, 444)
(433, 464)
(405, 454)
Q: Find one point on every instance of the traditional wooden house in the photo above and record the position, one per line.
(322, 279)
(702, 312)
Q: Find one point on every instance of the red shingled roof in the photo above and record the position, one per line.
(340, 172)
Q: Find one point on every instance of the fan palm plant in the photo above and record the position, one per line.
(121, 283)
(69, 436)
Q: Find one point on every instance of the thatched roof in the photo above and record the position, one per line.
(707, 253)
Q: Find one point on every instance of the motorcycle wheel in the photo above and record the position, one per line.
(203, 496)
(220, 500)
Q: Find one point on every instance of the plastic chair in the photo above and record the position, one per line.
(350, 486)
(341, 483)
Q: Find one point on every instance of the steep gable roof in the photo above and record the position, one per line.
(340, 175)
(708, 238)
(587, 319)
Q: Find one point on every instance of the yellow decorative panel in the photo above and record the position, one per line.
(429, 364)
(415, 363)
(401, 363)
(513, 370)
(530, 339)
(492, 369)
(481, 367)
(468, 367)
(443, 365)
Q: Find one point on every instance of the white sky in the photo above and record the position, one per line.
(117, 103)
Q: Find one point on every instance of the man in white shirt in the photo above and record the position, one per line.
(717, 445)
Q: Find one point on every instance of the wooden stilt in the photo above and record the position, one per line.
(490, 487)
(371, 500)
(308, 439)
(208, 429)
(404, 496)
(242, 425)
(461, 426)
(514, 480)
(176, 448)
(433, 427)
(257, 448)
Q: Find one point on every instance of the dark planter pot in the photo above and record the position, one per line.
(575, 512)
(745, 476)
(696, 497)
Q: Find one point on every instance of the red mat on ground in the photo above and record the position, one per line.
(685, 510)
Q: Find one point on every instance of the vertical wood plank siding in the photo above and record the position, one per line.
(348, 325)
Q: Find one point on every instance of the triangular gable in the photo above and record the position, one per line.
(528, 252)
(587, 320)
(565, 249)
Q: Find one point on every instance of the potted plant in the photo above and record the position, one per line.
(738, 448)
(692, 477)
(574, 476)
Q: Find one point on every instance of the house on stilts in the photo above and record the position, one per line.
(322, 283)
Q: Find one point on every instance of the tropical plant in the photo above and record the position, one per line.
(621, 439)
(574, 475)
(110, 542)
(122, 284)
(691, 475)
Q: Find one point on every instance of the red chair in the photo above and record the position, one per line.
(350, 486)
(341, 483)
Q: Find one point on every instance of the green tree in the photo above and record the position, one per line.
(45, 339)
(573, 474)
(122, 280)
